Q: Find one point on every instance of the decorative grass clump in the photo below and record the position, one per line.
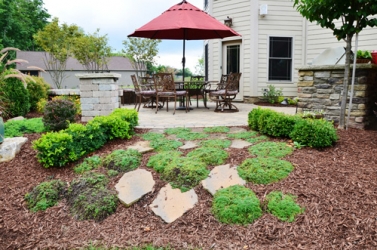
(88, 164)
(15, 128)
(242, 135)
(264, 170)
(165, 144)
(271, 149)
(218, 129)
(159, 161)
(150, 136)
(210, 156)
(122, 160)
(283, 206)
(257, 139)
(45, 195)
(89, 198)
(236, 205)
(185, 173)
(215, 143)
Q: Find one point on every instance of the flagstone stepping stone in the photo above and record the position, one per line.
(222, 177)
(170, 204)
(198, 130)
(236, 130)
(240, 144)
(134, 185)
(142, 147)
(189, 145)
(10, 147)
(217, 136)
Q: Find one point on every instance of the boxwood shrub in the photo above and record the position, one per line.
(59, 148)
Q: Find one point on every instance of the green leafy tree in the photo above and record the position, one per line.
(92, 51)
(141, 51)
(188, 72)
(58, 42)
(199, 68)
(19, 21)
(345, 19)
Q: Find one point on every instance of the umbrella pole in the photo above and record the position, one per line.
(183, 61)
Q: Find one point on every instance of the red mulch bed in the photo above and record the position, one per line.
(337, 186)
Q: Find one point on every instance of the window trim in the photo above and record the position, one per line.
(268, 60)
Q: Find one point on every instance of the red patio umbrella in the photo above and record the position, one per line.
(184, 22)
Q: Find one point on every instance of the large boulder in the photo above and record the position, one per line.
(10, 147)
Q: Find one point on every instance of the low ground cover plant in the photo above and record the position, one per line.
(236, 205)
(185, 173)
(210, 156)
(88, 164)
(216, 143)
(257, 139)
(122, 160)
(165, 144)
(15, 128)
(218, 129)
(159, 161)
(242, 135)
(264, 170)
(271, 149)
(283, 206)
(45, 195)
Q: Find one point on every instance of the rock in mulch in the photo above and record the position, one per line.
(170, 204)
(141, 146)
(10, 147)
(134, 185)
(222, 177)
(189, 145)
(240, 144)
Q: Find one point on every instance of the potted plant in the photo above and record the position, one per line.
(363, 56)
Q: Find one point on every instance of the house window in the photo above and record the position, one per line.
(205, 4)
(280, 59)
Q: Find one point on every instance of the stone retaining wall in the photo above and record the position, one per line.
(99, 94)
(320, 88)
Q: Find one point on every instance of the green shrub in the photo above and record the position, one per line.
(264, 170)
(122, 160)
(317, 133)
(283, 206)
(58, 114)
(236, 205)
(88, 164)
(113, 126)
(165, 144)
(15, 97)
(75, 99)
(54, 149)
(185, 173)
(218, 129)
(277, 124)
(129, 115)
(41, 104)
(242, 135)
(210, 156)
(15, 128)
(271, 94)
(159, 161)
(215, 143)
(89, 198)
(253, 118)
(271, 149)
(45, 195)
(37, 90)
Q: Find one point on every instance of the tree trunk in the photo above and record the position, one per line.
(345, 82)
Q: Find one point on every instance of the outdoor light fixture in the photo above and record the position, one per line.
(228, 21)
(263, 10)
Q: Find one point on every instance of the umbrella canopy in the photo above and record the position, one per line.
(184, 21)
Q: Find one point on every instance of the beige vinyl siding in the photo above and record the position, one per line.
(282, 20)
(320, 39)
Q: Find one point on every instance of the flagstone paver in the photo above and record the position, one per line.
(216, 136)
(134, 185)
(240, 144)
(189, 145)
(222, 177)
(142, 147)
(170, 204)
(236, 130)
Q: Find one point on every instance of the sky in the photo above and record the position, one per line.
(119, 18)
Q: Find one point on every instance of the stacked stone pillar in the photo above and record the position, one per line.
(99, 94)
(321, 88)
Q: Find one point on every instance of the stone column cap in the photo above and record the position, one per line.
(98, 75)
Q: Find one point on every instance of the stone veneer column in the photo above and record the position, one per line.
(99, 94)
(321, 87)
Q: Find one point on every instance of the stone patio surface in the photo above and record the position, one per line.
(198, 117)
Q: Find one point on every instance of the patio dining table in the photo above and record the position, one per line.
(193, 87)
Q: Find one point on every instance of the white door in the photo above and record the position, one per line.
(232, 62)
